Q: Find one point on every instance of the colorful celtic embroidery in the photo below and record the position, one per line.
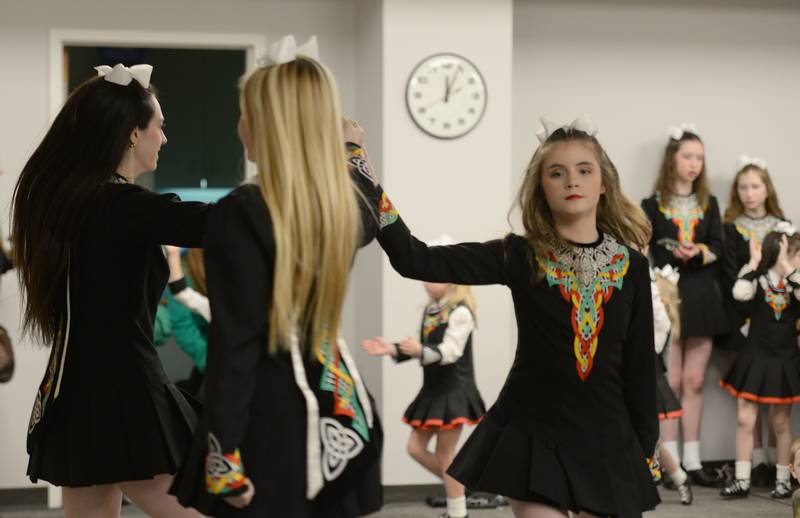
(336, 379)
(586, 278)
(777, 298)
(224, 471)
(43, 394)
(388, 214)
(434, 317)
(685, 213)
(750, 228)
(357, 159)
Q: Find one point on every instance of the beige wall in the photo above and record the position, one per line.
(637, 68)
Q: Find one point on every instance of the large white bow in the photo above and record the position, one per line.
(745, 161)
(669, 273)
(676, 132)
(549, 126)
(286, 50)
(122, 75)
(785, 228)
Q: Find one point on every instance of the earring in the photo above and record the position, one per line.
(131, 145)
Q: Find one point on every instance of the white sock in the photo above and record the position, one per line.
(759, 457)
(672, 448)
(457, 507)
(781, 473)
(743, 468)
(679, 477)
(691, 455)
(772, 455)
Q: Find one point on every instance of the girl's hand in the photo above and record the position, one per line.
(379, 346)
(755, 252)
(411, 347)
(245, 498)
(352, 131)
(690, 250)
(783, 257)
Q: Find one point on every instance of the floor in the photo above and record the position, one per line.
(707, 505)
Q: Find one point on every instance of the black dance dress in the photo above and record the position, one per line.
(576, 419)
(767, 370)
(736, 254)
(105, 411)
(449, 397)
(684, 221)
(301, 428)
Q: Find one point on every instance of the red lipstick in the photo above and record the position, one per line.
(574, 197)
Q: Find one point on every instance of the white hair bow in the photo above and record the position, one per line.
(669, 273)
(122, 75)
(745, 161)
(677, 132)
(286, 50)
(443, 240)
(785, 227)
(582, 123)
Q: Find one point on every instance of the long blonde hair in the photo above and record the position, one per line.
(293, 116)
(735, 207)
(617, 215)
(461, 294)
(670, 296)
(668, 173)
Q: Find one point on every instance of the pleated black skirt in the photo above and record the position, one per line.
(445, 410)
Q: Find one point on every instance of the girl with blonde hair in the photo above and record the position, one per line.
(289, 429)
(449, 397)
(575, 423)
(687, 234)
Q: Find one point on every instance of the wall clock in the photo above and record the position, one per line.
(446, 96)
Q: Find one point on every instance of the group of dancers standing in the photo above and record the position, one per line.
(287, 427)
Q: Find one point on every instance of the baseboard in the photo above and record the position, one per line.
(410, 493)
(34, 496)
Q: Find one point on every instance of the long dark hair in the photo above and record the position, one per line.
(82, 149)
(771, 249)
(668, 174)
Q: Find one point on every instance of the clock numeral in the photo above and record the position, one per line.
(421, 109)
(422, 80)
(432, 120)
(446, 125)
(471, 80)
(417, 95)
(461, 121)
(447, 66)
(471, 110)
(476, 96)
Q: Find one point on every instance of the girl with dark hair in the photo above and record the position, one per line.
(87, 244)
(576, 422)
(767, 371)
(687, 234)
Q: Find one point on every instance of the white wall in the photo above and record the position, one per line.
(637, 68)
(436, 185)
(24, 30)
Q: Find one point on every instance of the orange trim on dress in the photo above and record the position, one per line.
(758, 399)
(663, 416)
(438, 424)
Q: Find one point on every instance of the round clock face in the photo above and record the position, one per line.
(446, 96)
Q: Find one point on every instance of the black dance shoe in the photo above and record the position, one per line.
(736, 489)
(685, 492)
(783, 489)
(702, 478)
(762, 476)
(436, 501)
(476, 502)
(445, 515)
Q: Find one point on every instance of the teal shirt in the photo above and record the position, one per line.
(189, 329)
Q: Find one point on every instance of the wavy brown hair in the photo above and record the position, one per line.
(197, 270)
(81, 150)
(771, 249)
(735, 207)
(668, 174)
(617, 215)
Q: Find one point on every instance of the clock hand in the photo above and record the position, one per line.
(447, 85)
